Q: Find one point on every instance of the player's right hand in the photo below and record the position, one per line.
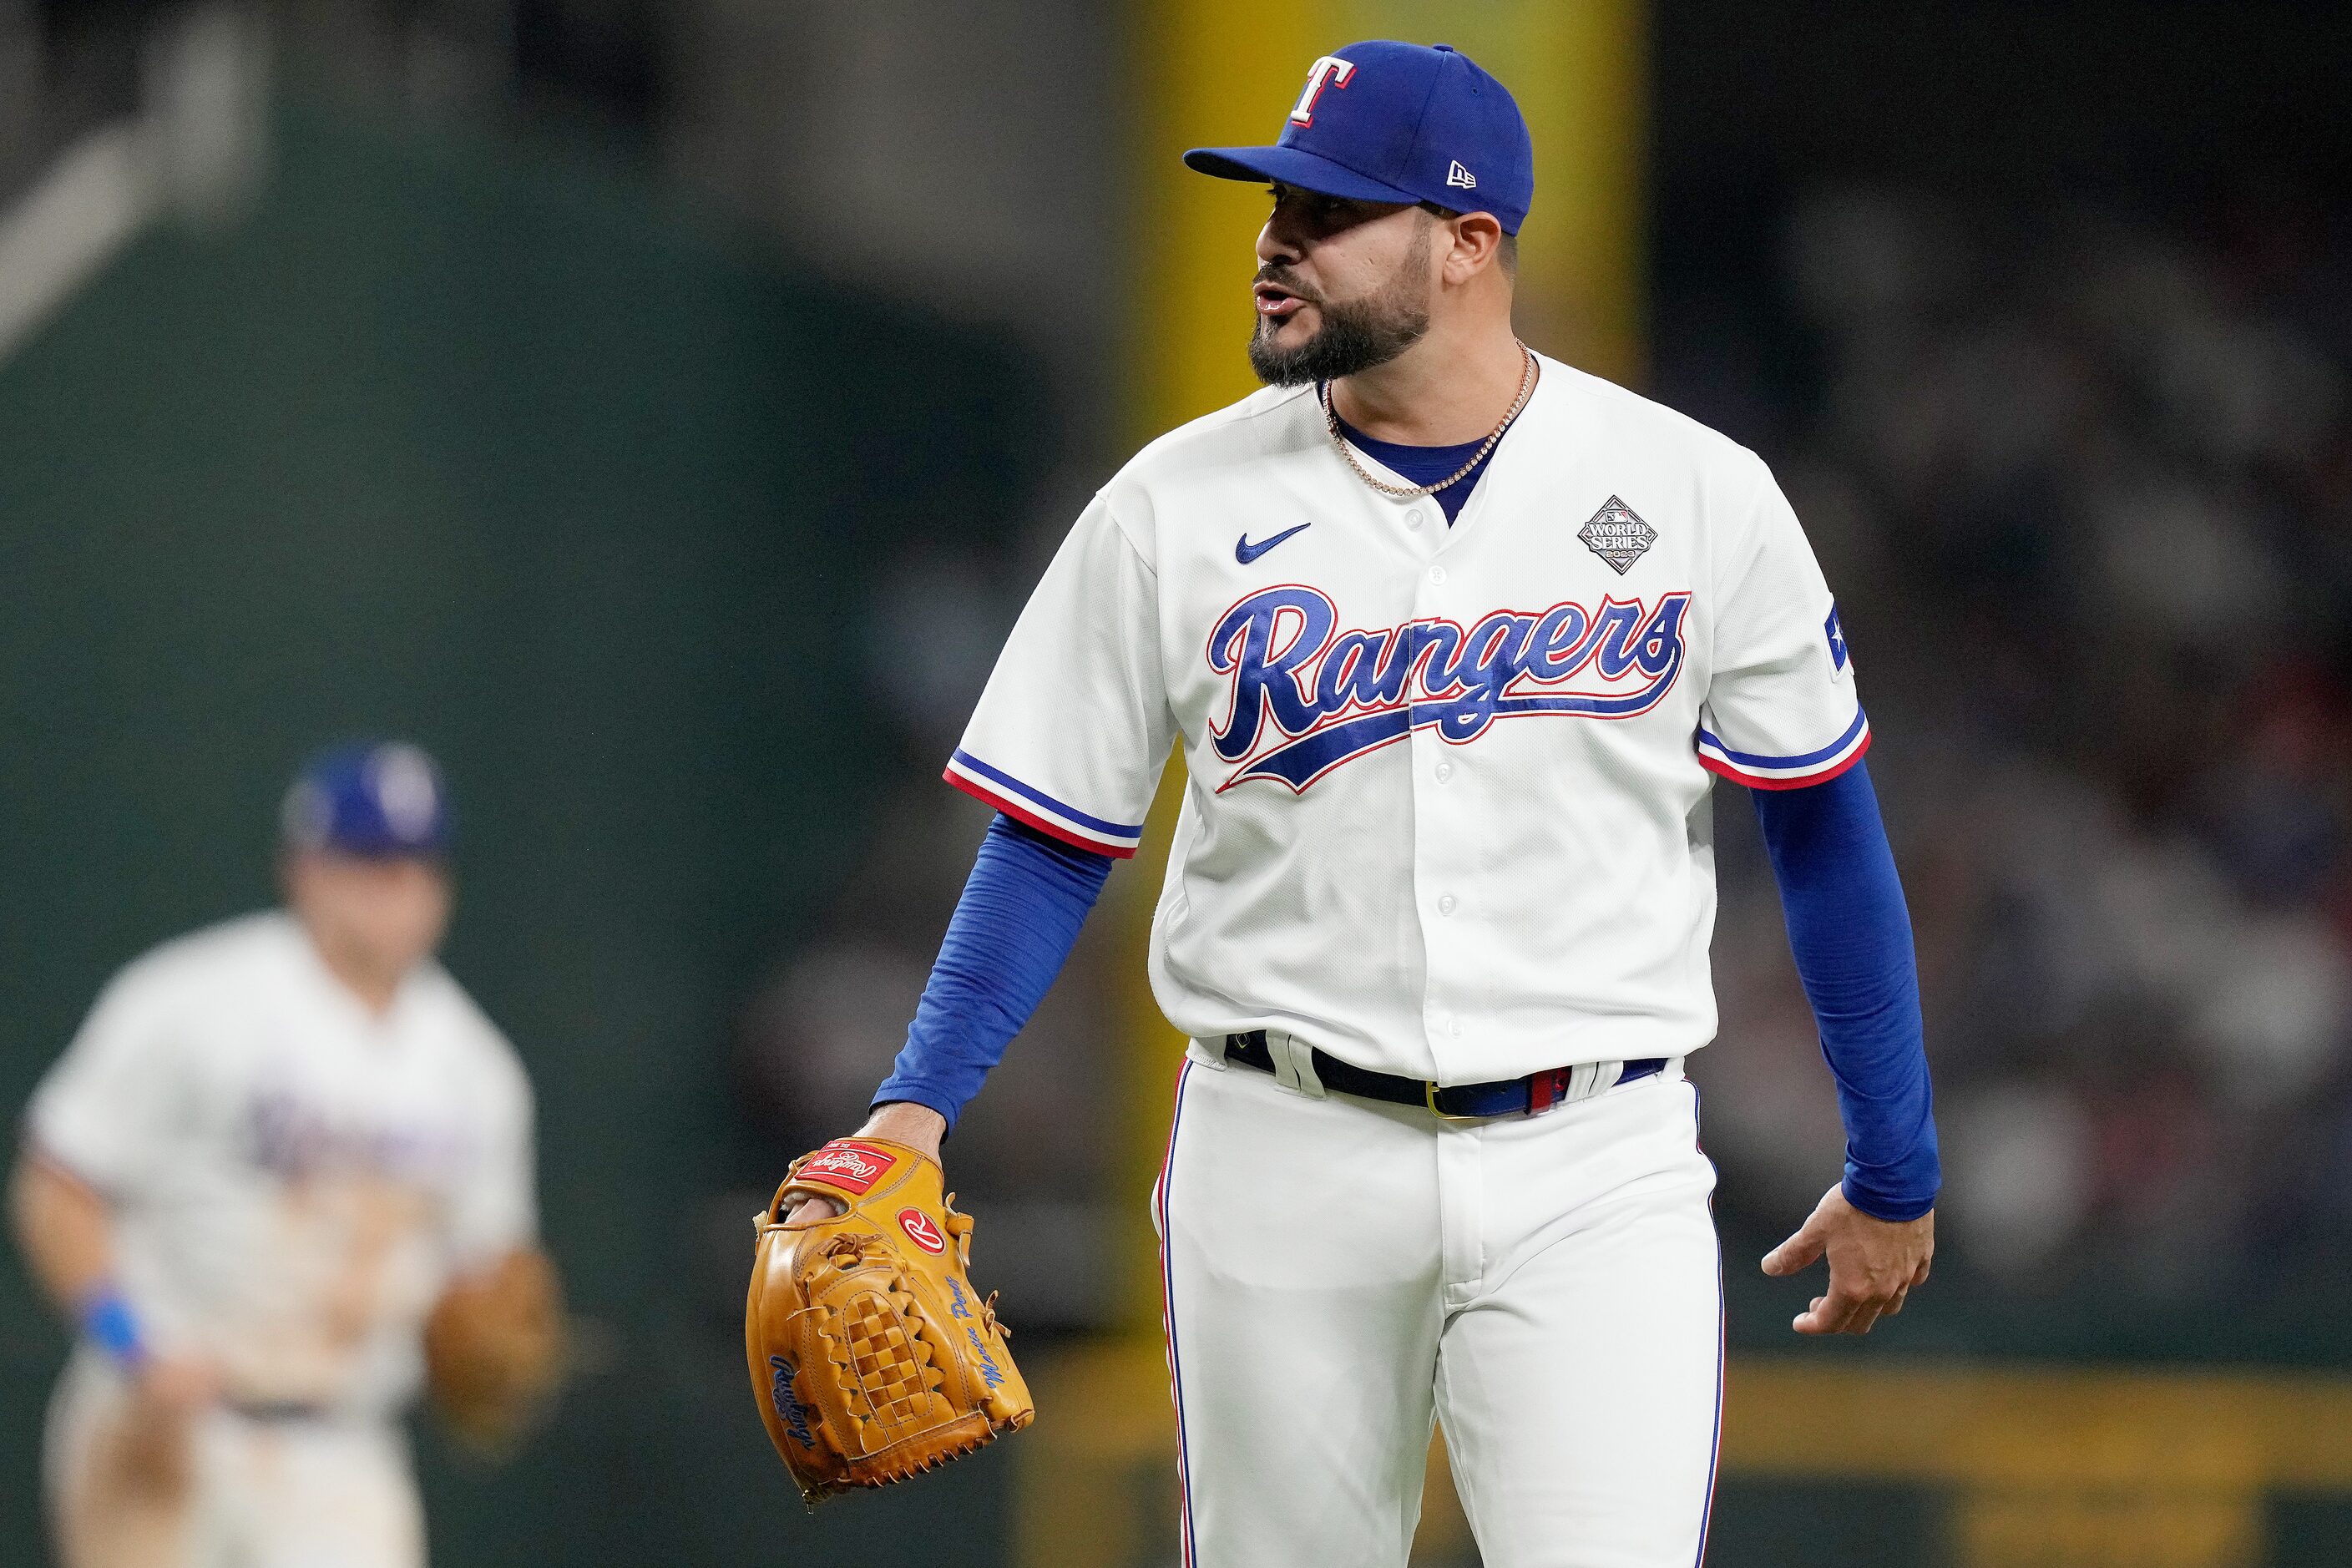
(901, 1121)
(1874, 1264)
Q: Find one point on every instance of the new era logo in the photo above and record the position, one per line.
(1456, 175)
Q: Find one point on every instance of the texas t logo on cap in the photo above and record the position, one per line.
(1384, 121)
(1330, 69)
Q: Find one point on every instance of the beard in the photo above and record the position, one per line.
(1356, 335)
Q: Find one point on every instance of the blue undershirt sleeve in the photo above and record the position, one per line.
(1013, 928)
(1851, 934)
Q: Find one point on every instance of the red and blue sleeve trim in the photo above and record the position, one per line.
(1759, 771)
(1024, 803)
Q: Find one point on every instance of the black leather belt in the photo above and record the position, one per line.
(1537, 1093)
(279, 1410)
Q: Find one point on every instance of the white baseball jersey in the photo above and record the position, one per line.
(1446, 811)
(293, 1178)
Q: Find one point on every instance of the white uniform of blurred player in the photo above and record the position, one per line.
(271, 1147)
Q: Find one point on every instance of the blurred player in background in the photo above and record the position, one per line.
(274, 1147)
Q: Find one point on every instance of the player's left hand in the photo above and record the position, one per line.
(901, 1121)
(1874, 1264)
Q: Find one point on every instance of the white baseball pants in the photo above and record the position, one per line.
(230, 1491)
(1340, 1273)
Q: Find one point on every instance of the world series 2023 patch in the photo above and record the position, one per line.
(1617, 534)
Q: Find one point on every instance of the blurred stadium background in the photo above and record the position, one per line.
(660, 410)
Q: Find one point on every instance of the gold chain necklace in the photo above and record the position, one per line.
(1331, 422)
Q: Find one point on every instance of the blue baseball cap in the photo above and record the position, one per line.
(1384, 121)
(382, 799)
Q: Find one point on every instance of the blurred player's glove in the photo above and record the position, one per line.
(494, 1349)
(872, 1357)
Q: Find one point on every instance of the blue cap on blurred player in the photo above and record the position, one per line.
(1384, 121)
(380, 798)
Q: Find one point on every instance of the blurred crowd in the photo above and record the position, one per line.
(2083, 485)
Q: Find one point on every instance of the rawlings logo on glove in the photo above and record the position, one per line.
(851, 1167)
(870, 1360)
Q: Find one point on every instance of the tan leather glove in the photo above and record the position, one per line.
(494, 1349)
(871, 1355)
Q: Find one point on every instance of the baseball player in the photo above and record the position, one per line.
(1454, 639)
(273, 1146)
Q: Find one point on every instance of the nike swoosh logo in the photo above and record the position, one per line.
(1245, 552)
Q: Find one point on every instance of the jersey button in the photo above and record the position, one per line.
(1444, 771)
(1445, 905)
(1437, 573)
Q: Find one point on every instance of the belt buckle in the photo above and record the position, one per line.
(1429, 1098)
